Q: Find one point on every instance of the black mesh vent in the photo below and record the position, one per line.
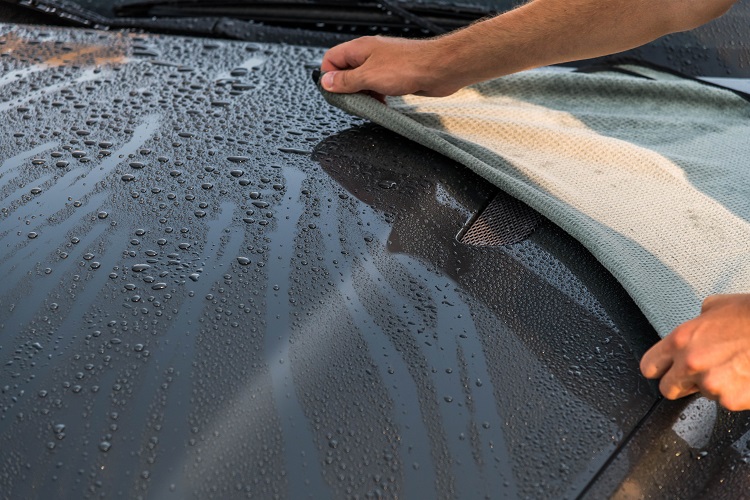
(503, 222)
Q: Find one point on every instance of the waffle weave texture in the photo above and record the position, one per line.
(650, 172)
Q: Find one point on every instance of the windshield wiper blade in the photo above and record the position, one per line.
(408, 16)
(315, 14)
(66, 10)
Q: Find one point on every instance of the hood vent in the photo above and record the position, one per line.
(504, 221)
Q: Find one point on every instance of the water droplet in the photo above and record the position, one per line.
(105, 446)
(238, 159)
(128, 177)
(138, 268)
(137, 165)
(243, 261)
(61, 164)
(32, 235)
(102, 215)
(236, 173)
(386, 184)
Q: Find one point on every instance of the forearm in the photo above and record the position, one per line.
(539, 33)
(547, 32)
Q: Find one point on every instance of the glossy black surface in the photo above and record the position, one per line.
(687, 449)
(216, 285)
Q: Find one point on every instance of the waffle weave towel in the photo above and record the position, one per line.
(649, 171)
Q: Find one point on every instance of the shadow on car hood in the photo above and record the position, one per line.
(214, 284)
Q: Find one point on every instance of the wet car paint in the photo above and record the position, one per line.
(215, 285)
(700, 443)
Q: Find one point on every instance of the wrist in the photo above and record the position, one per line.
(446, 65)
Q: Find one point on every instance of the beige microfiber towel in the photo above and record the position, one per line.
(650, 171)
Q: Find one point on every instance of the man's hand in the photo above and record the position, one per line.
(388, 66)
(709, 354)
(538, 33)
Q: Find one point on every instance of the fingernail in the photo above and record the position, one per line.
(328, 80)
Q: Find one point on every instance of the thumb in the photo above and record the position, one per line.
(342, 82)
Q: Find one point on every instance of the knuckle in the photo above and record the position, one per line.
(730, 403)
(708, 301)
(712, 386)
(681, 337)
(694, 362)
(365, 41)
(344, 78)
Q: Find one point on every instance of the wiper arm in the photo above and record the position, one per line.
(422, 22)
(64, 9)
(336, 15)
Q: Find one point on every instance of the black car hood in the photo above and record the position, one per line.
(214, 284)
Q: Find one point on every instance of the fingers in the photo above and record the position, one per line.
(341, 66)
(709, 354)
(728, 385)
(343, 82)
(657, 360)
(663, 361)
(347, 55)
(676, 384)
(735, 401)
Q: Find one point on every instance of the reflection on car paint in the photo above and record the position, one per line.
(235, 290)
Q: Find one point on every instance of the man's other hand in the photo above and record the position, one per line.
(709, 354)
